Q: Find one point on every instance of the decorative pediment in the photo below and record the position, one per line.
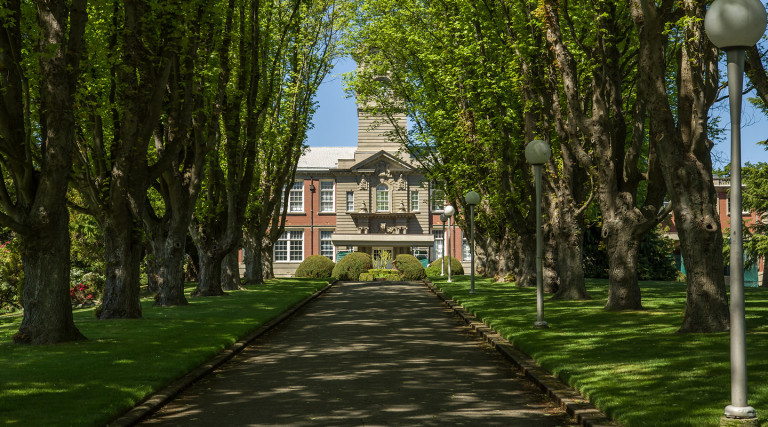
(383, 165)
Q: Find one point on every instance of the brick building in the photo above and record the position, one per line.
(370, 198)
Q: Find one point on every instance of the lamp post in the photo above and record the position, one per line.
(443, 218)
(735, 25)
(449, 211)
(472, 198)
(537, 152)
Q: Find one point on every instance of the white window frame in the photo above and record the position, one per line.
(325, 239)
(414, 200)
(728, 207)
(290, 246)
(296, 197)
(350, 201)
(439, 244)
(382, 205)
(327, 196)
(466, 251)
(436, 199)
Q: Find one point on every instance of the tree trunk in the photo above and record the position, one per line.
(551, 280)
(570, 240)
(209, 278)
(230, 272)
(701, 241)
(249, 258)
(265, 263)
(526, 267)
(623, 249)
(153, 283)
(169, 258)
(45, 296)
(122, 250)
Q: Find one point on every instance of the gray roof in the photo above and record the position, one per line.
(323, 158)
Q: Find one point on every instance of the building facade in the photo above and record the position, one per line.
(370, 198)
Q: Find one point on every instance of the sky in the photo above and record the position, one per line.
(335, 122)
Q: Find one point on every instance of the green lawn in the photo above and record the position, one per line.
(630, 364)
(123, 361)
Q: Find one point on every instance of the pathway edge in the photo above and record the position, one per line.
(575, 404)
(156, 400)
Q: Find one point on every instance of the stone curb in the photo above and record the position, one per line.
(569, 399)
(164, 395)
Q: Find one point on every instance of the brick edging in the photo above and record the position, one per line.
(155, 401)
(569, 399)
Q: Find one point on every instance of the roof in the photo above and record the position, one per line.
(319, 158)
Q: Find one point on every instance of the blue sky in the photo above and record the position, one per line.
(335, 122)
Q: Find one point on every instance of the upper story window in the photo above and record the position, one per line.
(414, 200)
(350, 201)
(295, 198)
(382, 198)
(437, 200)
(327, 196)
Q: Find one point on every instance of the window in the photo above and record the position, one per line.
(290, 246)
(382, 198)
(414, 200)
(439, 244)
(326, 196)
(296, 197)
(743, 212)
(438, 200)
(326, 245)
(350, 201)
(465, 250)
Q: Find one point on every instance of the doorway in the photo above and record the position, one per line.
(382, 257)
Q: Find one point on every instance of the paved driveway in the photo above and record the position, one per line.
(382, 353)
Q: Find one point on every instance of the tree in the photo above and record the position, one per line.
(264, 31)
(122, 105)
(755, 178)
(41, 46)
(313, 51)
(679, 134)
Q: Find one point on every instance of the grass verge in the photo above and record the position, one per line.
(632, 365)
(124, 361)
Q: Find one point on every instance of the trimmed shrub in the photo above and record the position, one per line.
(410, 267)
(315, 266)
(435, 268)
(352, 266)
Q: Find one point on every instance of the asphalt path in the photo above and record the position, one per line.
(372, 354)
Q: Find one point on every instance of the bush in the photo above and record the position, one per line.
(352, 266)
(410, 267)
(11, 276)
(435, 268)
(315, 266)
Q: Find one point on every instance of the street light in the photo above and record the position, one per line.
(443, 218)
(472, 198)
(537, 152)
(735, 25)
(449, 211)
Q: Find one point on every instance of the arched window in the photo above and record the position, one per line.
(382, 198)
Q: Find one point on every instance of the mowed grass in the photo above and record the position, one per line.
(633, 365)
(124, 361)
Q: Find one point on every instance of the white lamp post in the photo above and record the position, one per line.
(449, 211)
(443, 218)
(472, 198)
(735, 25)
(537, 152)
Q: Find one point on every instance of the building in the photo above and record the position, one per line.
(371, 198)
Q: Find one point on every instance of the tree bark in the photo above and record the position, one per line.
(45, 296)
(525, 271)
(230, 271)
(623, 248)
(569, 234)
(209, 278)
(169, 258)
(122, 250)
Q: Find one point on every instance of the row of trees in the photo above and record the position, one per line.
(157, 119)
(621, 90)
